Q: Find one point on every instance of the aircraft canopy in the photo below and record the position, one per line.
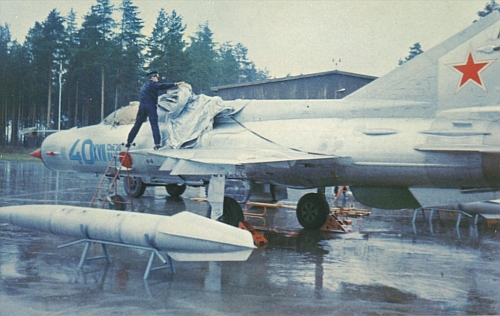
(124, 115)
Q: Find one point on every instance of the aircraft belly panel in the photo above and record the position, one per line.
(457, 170)
(302, 174)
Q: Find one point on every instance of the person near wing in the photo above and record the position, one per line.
(147, 107)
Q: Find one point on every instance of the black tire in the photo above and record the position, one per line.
(136, 188)
(232, 212)
(312, 210)
(117, 203)
(175, 190)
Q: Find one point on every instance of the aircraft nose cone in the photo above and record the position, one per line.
(37, 153)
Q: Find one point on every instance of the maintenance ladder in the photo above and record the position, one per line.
(112, 173)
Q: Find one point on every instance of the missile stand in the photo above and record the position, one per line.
(167, 263)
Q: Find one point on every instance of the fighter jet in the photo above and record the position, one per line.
(426, 134)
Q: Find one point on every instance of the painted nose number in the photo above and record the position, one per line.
(89, 153)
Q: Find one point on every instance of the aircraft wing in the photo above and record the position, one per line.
(213, 161)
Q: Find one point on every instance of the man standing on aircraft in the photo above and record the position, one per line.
(147, 107)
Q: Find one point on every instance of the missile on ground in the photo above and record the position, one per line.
(184, 236)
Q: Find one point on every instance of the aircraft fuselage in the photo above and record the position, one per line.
(358, 151)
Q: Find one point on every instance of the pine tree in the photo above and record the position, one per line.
(247, 69)
(489, 8)
(233, 66)
(415, 50)
(228, 67)
(131, 44)
(5, 43)
(202, 58)
(155, 43)
(97, 61)
(45, 43)
(175, 57)
(166, 47)
(105, 25)
(71, 85)
(22, 110)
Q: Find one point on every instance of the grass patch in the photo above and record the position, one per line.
(11, 153)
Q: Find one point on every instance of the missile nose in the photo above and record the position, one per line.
(37, 153)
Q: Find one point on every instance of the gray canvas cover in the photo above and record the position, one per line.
(186, 116)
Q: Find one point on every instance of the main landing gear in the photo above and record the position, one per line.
(232, 212)
(312, 210)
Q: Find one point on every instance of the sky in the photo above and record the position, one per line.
(291, 37)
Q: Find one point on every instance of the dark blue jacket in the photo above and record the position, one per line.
(149, 91)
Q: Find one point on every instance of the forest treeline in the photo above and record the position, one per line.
(90, 70)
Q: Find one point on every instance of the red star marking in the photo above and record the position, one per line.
(471, 71)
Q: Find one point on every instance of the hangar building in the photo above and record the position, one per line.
(324, 85)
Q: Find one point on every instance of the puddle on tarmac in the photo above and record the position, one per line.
(386, 266)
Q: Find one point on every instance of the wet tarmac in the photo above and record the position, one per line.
(386, 266)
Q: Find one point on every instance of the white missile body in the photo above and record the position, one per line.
(183, 236)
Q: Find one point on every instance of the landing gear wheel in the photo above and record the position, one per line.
(175, 190)
(232, 212)
(312, 210)
(136, 188)
(116, 202)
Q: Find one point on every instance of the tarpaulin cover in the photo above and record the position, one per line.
(186, 116)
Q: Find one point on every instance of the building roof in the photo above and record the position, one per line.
(254, 83)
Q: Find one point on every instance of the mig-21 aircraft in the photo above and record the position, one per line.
(426, 134)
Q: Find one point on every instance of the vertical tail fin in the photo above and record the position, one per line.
(462, 71)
